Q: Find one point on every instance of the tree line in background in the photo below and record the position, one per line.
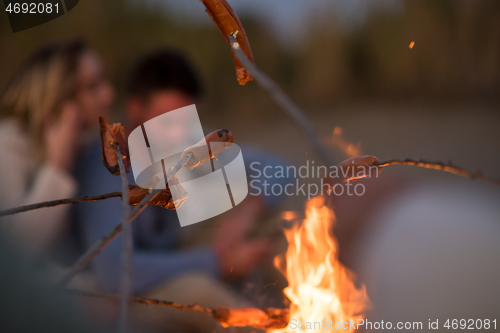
(456, 56)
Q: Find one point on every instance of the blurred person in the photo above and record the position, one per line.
(45, 112)
(163, 82)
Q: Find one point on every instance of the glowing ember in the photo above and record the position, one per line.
(320, 288)
(411, 45)
(290, 215)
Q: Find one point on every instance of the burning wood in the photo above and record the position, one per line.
(270, 318)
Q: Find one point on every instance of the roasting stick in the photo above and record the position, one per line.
(420, 163)
(191, 154)
(91, 253)
(270, 318)
(145, 301)
(126, 256)
(54, 203)
(442, 167)
(301, 121)
(223, 138)
(287, 105)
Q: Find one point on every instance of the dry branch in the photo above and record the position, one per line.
(257, 318)
(126, 256)
(145, 301)
(54, 203)
(418, 163)
(91, 253)
(442, 167)
(136, 194)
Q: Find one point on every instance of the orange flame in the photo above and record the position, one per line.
(319, 287)
(351, 150)
(290, 215)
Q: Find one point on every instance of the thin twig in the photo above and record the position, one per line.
(54, 203)
(91, 253)
(126, 257)
(88, 256)
(419, 163)
(264, 319)
(146, 301)
(297, 116)
(442, 167)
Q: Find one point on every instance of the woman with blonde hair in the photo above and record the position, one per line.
(46, 110)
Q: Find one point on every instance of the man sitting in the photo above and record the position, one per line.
(163, 82)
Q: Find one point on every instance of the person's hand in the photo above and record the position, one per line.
(61, 137)
(237, 255)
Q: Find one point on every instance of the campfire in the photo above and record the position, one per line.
(321, 290)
